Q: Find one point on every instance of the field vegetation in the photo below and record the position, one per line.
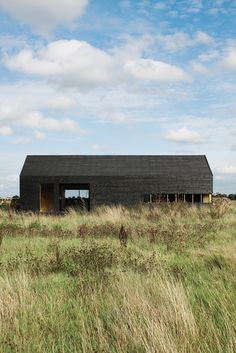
(68, 284)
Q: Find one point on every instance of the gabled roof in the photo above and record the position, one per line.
(116, 165)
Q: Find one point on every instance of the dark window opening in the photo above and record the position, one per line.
(155, 198)
(75, 196)
(163, 198)
(147, 198)
(197, 198)
(188, 197)
(171, 197)
(46, 198)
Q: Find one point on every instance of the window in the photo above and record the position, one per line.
(197, 198)
(76, 196)
(188, 198)
(171, 198)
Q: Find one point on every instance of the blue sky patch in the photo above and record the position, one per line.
(118, 77)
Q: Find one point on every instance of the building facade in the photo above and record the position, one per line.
(56, 183)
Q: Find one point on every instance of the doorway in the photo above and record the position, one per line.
(46, 198)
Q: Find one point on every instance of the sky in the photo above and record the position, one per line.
(118, 77)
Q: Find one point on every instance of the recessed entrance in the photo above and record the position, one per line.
(75, 196)
(46, 198)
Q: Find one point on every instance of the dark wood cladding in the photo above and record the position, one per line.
(115, 179)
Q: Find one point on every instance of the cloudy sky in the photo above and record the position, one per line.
(118, 77)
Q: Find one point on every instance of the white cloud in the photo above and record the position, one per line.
(18, 111)
(10, 167)
(198, 67)
(229, 60)
(9, 42)
(125, 4)
(98, 148)
(152, 70)
(219, 2)
(12, 178)
(61, 103)
(5, 131)
(119, 118)
(209, 56)
(181, 40)
(203, 38)
(36, 120)
(160, 6)
(220, 177)
(132, 48)
(174, 42)
(219, 8)
(9, 110)
(21, 141)
(194, 6)
(71, 62)
(44, 15)
(214, 11)
(226, 170)
(39, 135)
(184, 135)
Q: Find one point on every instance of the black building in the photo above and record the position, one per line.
(55, 183)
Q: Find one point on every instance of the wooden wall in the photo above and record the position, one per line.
(126, 190)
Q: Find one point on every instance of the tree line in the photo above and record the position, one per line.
(229, 196)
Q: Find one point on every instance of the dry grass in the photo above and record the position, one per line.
(67, 285)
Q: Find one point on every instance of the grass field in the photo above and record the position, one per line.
(67, 284)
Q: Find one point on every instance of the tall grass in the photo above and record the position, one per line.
(68, 285)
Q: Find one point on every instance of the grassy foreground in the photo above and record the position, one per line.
(67, 285)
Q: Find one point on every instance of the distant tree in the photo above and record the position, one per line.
(218, 194)
(15, 203)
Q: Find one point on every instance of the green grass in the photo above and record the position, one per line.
(67, 285)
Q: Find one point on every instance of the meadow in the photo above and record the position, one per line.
(69, 285)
